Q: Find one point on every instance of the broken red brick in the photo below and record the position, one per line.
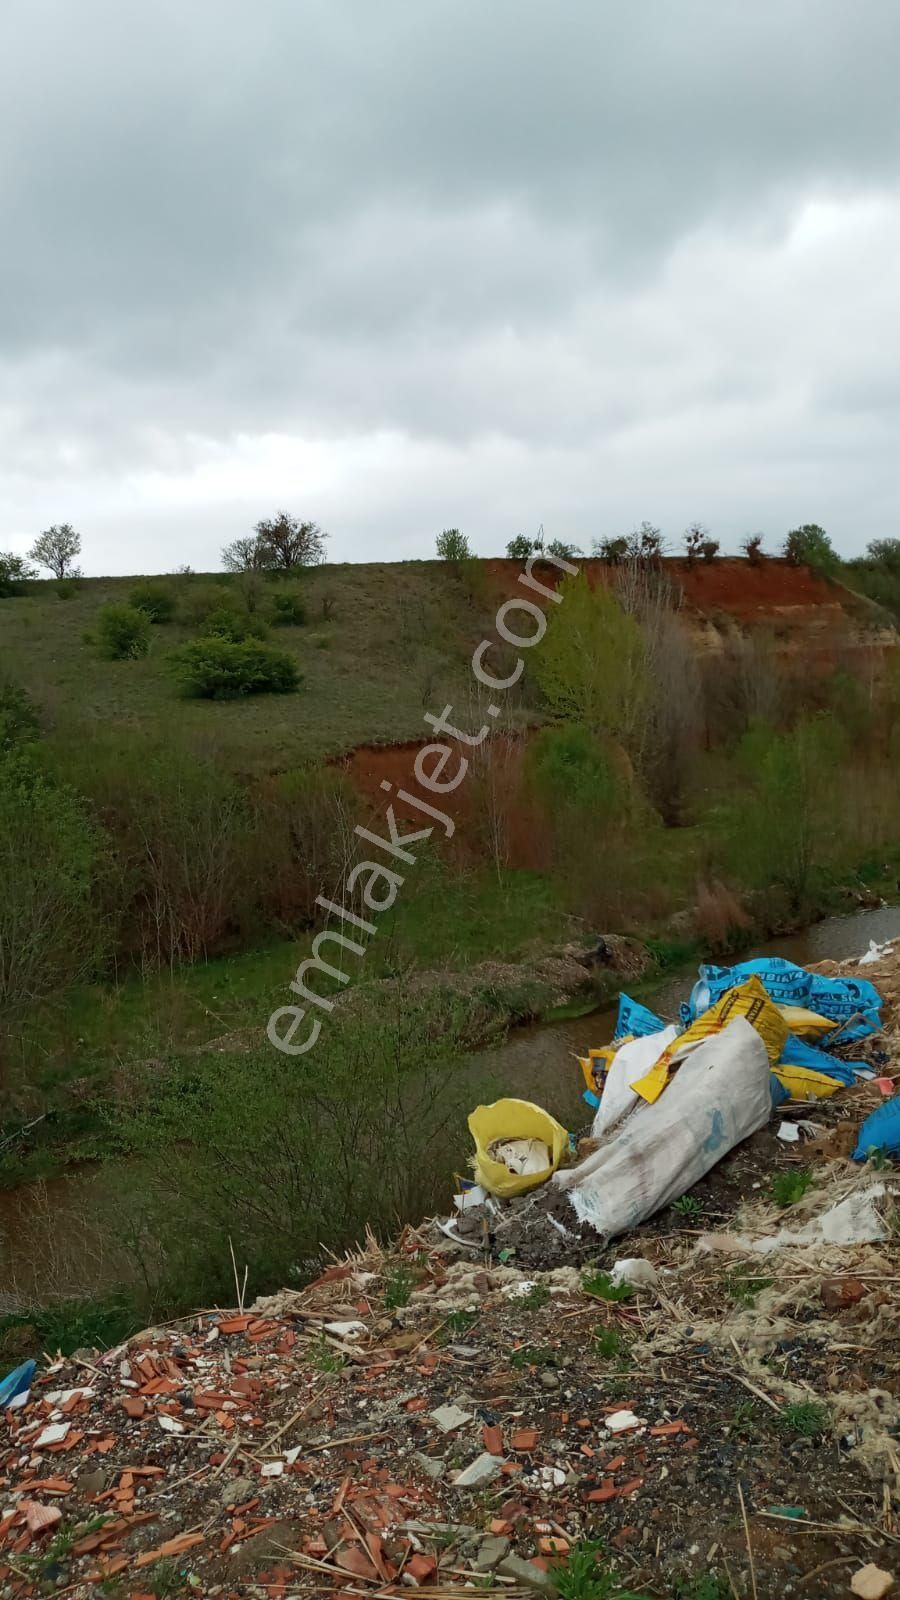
(666, 1429)
(421, 1567)
(492, 1439)
(607, 1491)
(839, 1293)
(134, 1407)
(524, 1439)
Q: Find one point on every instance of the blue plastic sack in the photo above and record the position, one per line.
(797, 1053)
(777, 1092)
(635, 1019)
(17, 1382)
(880, 1131)
(789, 985)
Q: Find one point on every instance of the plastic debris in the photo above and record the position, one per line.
(634, 1270)
(15, 1387)
(719, 1096)
(880, 1131)
(853, 1221)
(876, 952)
(508, 1122)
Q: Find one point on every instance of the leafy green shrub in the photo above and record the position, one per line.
(51, 856)
(18, 718)
(288, 610)
(14, 574)
(789, 1187)
(364, 1129)
(785, 827)
(67, 588)
(123, 633)
(156, 600)
(232, 625)
(214, 668)
(203, 600)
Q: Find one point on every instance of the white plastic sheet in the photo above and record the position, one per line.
(631, 1062)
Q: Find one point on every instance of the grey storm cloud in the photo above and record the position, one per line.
(430, 261)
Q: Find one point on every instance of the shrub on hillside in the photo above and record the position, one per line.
(18, 718)
(14, 574)
(214, 668)
(67, 588)
(233, 625)
(51, 854)
(203, 600)
(183, 837)
(288, 610)
(123, 633)
(156, 600)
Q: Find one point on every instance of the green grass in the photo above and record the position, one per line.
(537, 1296)
(584, 1577)
(68, 1325)
(399, 641)
(743, 1285)
(805, 1419)
(321, 1356)
(398, 1288)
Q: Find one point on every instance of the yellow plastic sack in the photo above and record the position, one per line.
(747, 1000)
(806, 1024)
(802, 1083)
(513, 1119)
(596, 1064)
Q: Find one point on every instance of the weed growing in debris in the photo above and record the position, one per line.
(582, 1577)
(687, 1206)
(743, 1285)
(707, 1587)
(806, 1419)
(458, 1322)
(398, 1286)
(599, 1286)
(538, 1295)
(894, 1221)
(323, 1358)
(878, 1159)
(745, 1416)
(789, 1187)
(608, 1343)
(165, 1580)
(532, 1355)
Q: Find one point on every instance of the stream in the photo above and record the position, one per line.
(538, 1062)
(49, 1249)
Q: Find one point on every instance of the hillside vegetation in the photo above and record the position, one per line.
(660, 770)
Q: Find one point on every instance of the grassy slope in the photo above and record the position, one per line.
(397, 644)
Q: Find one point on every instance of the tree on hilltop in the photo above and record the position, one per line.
(57, 548)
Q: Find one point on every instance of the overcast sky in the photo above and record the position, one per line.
(404, 264)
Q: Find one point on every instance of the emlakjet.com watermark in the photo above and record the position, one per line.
(379, 881)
